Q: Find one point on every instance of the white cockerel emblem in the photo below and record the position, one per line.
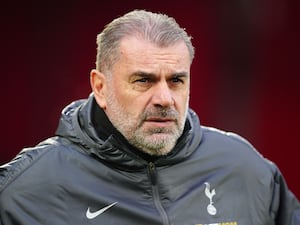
(210, 194)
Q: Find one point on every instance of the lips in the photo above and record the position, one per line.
(159, 122)
(159, 119)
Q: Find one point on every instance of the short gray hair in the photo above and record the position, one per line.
(157, 28)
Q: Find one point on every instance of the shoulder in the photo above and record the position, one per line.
(231, 149)
(36, 164)
(40, 176)
(227, 141)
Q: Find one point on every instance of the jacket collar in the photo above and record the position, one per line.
(84, 123)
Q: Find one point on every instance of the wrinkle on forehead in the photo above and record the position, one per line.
(139, 52)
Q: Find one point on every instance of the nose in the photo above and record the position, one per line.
(162, 95)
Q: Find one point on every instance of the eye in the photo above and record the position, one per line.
(142, 83)
(143, 80)
(176, 79)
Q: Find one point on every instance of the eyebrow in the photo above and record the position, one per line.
(143, 74)
(152, 75)
(180, 74)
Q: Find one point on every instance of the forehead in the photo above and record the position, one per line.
(138, 51)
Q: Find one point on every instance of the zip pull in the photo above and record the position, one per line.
(152, 172)
(156, 196)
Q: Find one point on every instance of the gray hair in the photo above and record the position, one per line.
(157, 28)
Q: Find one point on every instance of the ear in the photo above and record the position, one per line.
(97, 80)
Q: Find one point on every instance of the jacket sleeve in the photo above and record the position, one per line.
(285, 208)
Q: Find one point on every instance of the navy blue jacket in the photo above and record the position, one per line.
(210, 177)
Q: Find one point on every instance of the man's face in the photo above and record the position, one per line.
(147, 96)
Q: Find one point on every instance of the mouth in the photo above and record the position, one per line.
(160, 122)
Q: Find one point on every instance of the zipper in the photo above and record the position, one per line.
(156, 196)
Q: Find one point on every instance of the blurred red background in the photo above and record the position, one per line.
(245, 77)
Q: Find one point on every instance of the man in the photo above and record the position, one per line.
(134, 153)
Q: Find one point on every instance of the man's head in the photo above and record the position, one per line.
(158, 29)
(142, 79)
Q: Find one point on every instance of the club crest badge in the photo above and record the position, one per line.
(211, 209)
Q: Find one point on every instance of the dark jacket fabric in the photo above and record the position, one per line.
(88, 174)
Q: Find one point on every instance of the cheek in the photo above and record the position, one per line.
(134, 104)
(182, 100)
